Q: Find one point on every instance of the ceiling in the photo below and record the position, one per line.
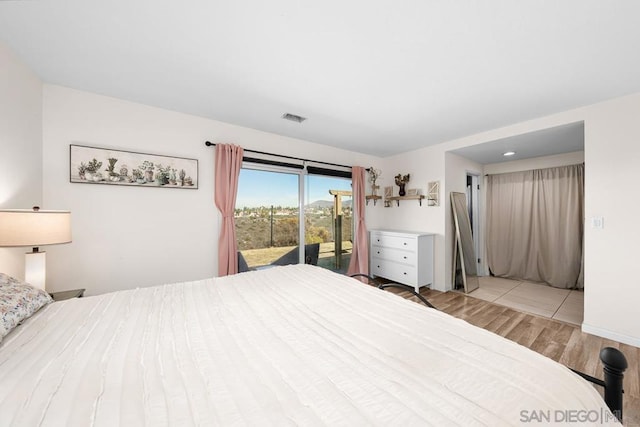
(373, 76)
(556, 140)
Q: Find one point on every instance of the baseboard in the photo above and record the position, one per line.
(605, 333)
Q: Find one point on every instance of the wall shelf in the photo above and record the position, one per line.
(372, 197)
(398, 198)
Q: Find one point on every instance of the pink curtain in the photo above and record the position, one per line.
(360, 255)
(228, 164)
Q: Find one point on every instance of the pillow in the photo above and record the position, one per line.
(18, 301)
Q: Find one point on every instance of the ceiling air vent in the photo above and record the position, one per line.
(293, 117)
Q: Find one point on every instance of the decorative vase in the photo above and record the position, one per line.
(148, 175)
(402, 192)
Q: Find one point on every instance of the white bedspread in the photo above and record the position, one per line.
(294, 345)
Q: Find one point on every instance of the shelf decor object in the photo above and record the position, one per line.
(24, 227)
(401, 181)
(91, 165)
(374, 174)
(433, 193)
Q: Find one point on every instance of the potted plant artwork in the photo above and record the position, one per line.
(111, 170)
(92, 169)
(138, 176)
(162, 175)
(122, 168)
(82, 170)
(148, 169)
(124, 173)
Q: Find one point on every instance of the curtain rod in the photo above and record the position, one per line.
(211, 144)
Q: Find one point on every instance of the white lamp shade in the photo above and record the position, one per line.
(20, 227)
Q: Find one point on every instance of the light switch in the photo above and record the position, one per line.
(597, 222)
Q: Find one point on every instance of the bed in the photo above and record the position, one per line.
(291, 345)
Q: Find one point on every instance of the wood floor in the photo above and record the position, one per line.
(562, 342)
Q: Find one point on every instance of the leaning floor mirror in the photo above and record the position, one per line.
(465, 272)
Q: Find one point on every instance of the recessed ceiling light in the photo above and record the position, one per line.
(509, 153)
(293, 117)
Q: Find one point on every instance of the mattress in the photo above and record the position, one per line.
(292, 345)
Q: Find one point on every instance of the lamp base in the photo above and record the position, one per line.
(35, 264)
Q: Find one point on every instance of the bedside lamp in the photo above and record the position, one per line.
(23, 227)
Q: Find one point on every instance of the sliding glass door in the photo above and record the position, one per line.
(328, 219)
(277, 208)
(267, 217)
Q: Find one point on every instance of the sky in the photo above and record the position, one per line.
(262, 188)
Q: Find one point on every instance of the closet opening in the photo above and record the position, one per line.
(527, 220)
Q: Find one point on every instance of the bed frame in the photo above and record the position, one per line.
(613, 361)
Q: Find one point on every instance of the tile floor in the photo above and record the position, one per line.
(560, 304)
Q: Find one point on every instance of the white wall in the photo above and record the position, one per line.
(612, 154)
(424, 165)
(124, 237)
(20, 146)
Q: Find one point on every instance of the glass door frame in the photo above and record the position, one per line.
(302, 173)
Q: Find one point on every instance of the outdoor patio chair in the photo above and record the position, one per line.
(311, 253)
(242, 264)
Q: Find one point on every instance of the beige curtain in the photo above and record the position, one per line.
(535, 224)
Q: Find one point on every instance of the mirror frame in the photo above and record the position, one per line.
(463, 250)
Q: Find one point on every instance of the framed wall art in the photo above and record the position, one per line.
(433, 193)
(92, 165)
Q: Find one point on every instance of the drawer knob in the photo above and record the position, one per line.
(378, 252)
(404, 273)
(404, 257)
(378, 266)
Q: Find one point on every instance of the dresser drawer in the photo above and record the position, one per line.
(390, 241)
(396, 255)
(400, 273)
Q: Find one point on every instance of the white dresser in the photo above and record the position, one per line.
(402, 256)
